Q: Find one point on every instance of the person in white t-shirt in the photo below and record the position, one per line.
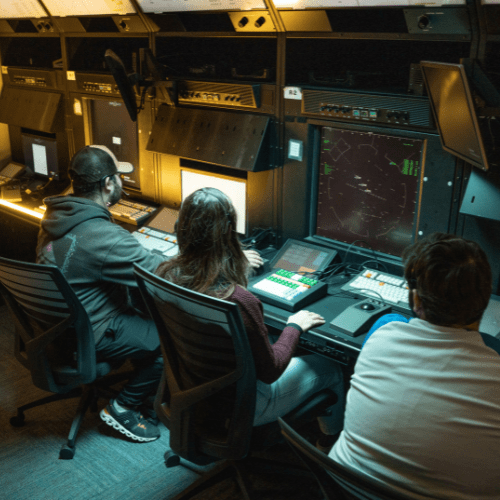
(423, 411)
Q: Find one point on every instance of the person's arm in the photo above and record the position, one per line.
(271, 360)
(118, 264)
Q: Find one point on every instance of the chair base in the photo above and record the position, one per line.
(88, 394)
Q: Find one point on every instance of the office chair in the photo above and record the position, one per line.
(54, 341)
(335, 481)
(207, 395)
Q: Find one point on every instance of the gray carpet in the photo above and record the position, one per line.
(106, 465)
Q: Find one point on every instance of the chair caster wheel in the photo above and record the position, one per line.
(171, 459)
(17, 421)
(66, 453)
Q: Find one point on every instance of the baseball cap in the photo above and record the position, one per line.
(92, 163)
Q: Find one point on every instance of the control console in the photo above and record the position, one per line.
(288, 290)
(400, 110)
(219, 94)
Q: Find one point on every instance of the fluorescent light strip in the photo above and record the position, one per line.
(21, 209)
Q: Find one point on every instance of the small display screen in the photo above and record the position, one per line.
(40, 155)
(299, 258)
(40, 159)
(164, 220)
(367, 188)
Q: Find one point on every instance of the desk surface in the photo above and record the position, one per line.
(335, 343)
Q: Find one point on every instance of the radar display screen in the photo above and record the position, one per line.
(367, 188)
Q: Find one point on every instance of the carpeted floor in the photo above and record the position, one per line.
(106, 465)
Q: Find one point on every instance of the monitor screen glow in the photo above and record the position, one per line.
(367, 189)
(40, 159)
(40, 155)
(234, 189)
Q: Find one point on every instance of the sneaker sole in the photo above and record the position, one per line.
(106, 417)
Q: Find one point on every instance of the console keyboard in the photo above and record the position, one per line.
(157, 242)
(389, 288)
(131, 212)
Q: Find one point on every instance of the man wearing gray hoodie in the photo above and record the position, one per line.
(96, 256)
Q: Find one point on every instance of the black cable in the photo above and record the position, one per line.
(377, 262)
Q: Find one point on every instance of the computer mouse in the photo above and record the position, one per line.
(367, 306)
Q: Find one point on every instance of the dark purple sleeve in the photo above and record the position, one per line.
(270, 360)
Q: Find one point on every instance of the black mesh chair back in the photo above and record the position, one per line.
(336, 481)
(54, 341)
(54, 337)
(208, 395)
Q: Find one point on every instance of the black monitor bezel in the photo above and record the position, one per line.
(484, 164)
(393, 261)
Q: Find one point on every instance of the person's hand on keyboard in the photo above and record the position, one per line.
(254, 259)
(306, 319)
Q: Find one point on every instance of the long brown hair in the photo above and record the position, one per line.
(210, 259)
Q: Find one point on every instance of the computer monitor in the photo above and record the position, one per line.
(454, 111)
(111, 126)
(126, 89)
(367, 189)
(234, 188)
(40, 155)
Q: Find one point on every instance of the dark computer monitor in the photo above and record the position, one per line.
(126, 89)
(40, 155)
(111, 126)
(454, 111)
(367, 189)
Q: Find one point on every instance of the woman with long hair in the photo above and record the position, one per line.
(211, 261)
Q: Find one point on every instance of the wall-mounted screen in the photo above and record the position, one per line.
(367, 189)
(40, 155)
(454, 111)
(64, 8)
(110, 125)
(235, 189)
(330, 4)
(158, 6)
(21, 9)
